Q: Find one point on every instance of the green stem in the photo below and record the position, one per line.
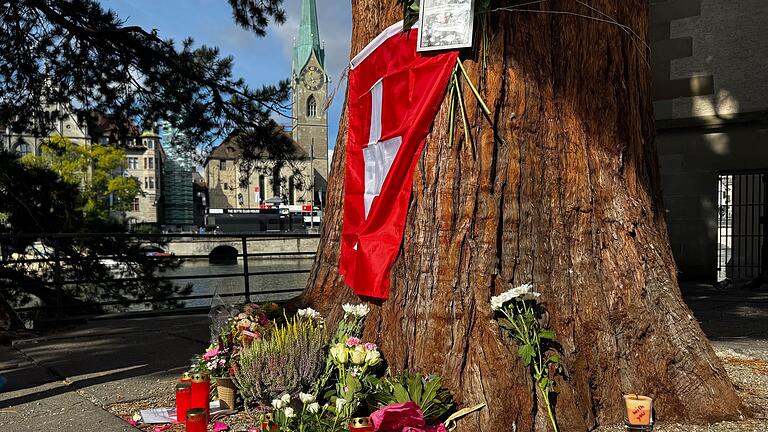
(463, 111)
(549, 408)
(474, 90)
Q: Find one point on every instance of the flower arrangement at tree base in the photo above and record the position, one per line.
(294, 376)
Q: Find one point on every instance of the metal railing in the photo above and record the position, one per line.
(56, 262)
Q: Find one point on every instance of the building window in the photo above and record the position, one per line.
(133, 163)
(275, 182)
(135, 205)
(222, 165)
(24, 149)
(311, 107)
(151, 144)
(262, 189)
(149, 163)
(291, 195)
(149, 182)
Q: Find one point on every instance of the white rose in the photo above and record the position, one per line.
(289, 412)
(306, 398)
(286, 398)
(277, 403)
(340, 402)
(314, 407)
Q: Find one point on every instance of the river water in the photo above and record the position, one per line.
(258, 283)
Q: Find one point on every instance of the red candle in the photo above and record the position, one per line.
(197, 420)
(201, 393)
(183, 400)
(186, 377)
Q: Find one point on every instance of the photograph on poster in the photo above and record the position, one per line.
(445, 24)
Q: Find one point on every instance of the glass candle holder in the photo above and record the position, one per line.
(186, 377)
(197, 421)
(201, 393)
(183, 400)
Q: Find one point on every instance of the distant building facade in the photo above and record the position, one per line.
(229, 187)
(711, 107)
(144, 156)
(178, 172)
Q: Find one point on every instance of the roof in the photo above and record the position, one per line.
(231, 149)
(309, 37)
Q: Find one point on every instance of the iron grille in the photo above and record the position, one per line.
(742, 199)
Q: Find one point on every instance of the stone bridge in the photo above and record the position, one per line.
(229, 248)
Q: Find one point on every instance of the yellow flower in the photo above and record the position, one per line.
(339, 353)
(358, 355)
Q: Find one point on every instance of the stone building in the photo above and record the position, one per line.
(310, 92)
(144, 155)
(309, 131)
(230, 187)
(61, 121)
(711, 106)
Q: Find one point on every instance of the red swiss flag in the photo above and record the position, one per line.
(394, 95)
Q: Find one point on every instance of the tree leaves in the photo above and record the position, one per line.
(75, 54)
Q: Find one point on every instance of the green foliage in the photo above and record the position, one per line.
(38, 203)
(289, 360)
(427, 392)
(410, 13)
(78, 54)
(95, 169)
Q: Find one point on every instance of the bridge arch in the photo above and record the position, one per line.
(223, 254)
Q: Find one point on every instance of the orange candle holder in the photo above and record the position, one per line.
(197, 420)
(639, 410)
(183, 400)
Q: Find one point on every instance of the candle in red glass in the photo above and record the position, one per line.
(196, 420)
(183, 400)
(360, 424)
(201, 393)
(186, 377)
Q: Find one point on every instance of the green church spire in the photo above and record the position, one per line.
(309, 37)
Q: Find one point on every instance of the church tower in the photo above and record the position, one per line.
(310, 90)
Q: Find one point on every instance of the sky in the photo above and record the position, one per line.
(257, 60)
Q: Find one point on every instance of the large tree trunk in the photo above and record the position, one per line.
(561, 190)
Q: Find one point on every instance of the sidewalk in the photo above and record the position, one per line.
(62, 381)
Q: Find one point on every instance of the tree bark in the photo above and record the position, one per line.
(560, 188)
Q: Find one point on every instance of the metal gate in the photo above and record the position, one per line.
(742, 199)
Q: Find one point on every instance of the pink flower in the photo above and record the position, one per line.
(220, 427)
(353, 341)
(370, 346)
(263, 320)
(211, 353)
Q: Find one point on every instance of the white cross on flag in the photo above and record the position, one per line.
(394, 95)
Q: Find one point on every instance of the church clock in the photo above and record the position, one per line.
(312, 78)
